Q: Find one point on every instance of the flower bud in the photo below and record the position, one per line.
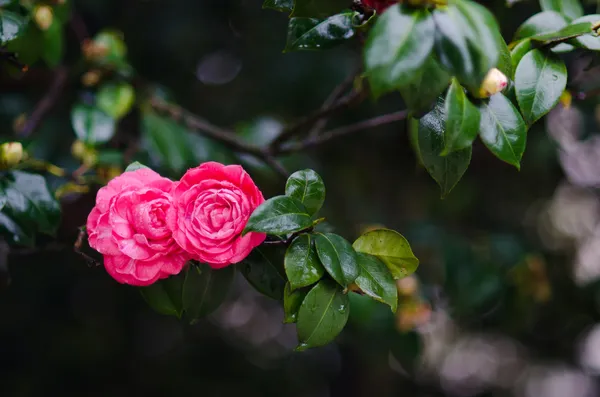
(78, 149)
(11, 153)
(43, 16)
(90, 78)
(495, 81)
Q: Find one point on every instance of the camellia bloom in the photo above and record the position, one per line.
(494, 82)
(214, 203)
(128, 226)
(379, 5)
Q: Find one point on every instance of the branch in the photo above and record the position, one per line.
(312, 118)
(226, 137)
(46, 103)
(345, 130)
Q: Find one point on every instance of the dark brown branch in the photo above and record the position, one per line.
(297, 128)
(333, 96)
(46, 103)
(226, 137)
(345, 130)
(12, 58)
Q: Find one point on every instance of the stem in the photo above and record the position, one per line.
(345, 130)
(47, 102)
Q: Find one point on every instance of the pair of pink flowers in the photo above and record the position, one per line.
(148, 227)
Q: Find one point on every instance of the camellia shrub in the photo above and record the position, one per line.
(180, 240)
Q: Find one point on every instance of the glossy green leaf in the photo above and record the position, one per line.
(115, 99)
(397, 47)
(318, 8)
(429, 82)
(307, 187)
(322, 315)
(279, 215)
(466, 41)
(317, 34)
(504, 60)
(391, 248)
(302, 264)
(445, 170)
(204, 290)
(262, 270)
(291, 303)
(540, 80)
(29, 203)
(13, 233)
(518, 52)
(29, 44)
(543, 22)
(53, 44)
(135, 166)
(568, 32)
(462, 121)
(167, 142)
(337, 256)
(165, 296)
(92, 125)
(571, 9)
(11, 26)
(279, 5)
(591, 41)
(503, 130)
(376, 281)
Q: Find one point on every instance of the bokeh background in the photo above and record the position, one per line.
(505, 302)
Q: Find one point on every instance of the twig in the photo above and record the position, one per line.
(46, 103)
(295, 129)
(345, 130)
(77, 248)
(11, 57)
(227, 137)
(79, 27)
(333, 96)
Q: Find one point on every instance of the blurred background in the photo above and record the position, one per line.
(505, 302)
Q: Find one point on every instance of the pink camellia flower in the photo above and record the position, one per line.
(128, 226)
(214, 203)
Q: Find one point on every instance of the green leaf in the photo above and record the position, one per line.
(317, 34)
(29, 203)
(307, 187)
(568, 32)
(504, 61)
(429, 82)
(376, 281)
(168, 142)
(261, 269)
(11, 26)
(591, 41)
(519, 51)
(165, 296)
(466, 42)
(318, 8)
(53, 47)
(279, 5)
(279, 215)
(338, 257)
(543, 22)
(291, 303)
(204, 290)
(571, 9)
(116, 49)
(397, 47)
(135, 166)
(503, 130)
(540, 80)
(91, 125)
(462, 121)
(14, 233)
(445, 170)
(302, 264)
(391, 248)
(322, 315)
(115, 99)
